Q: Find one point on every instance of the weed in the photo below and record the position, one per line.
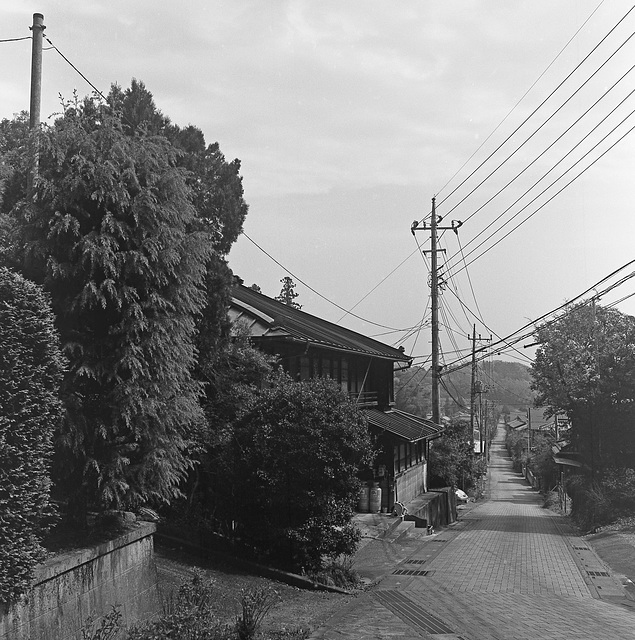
(255, 604)
(108, 628)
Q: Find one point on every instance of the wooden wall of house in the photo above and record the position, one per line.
(370, 377)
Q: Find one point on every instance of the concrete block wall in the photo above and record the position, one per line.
(71, 587)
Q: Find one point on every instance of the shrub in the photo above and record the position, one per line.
(338, 573)
(187, 615)
(291, 471)
(30, 372)
(255, 604)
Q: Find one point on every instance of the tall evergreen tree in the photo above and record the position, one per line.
(288, 293)
(112, 237)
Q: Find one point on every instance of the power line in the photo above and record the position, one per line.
(76, 69)
(544, 204)
(508, 340)
(16, 39)
(317, 293)
(536, 109)
(523, 96)
(602, 121)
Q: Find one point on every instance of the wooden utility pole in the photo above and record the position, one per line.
(476, 387)
(434, 288)
(473, 384)
(36, 98)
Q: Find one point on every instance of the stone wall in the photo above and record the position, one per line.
(71, 587)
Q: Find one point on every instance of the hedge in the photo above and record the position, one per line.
(31, 367)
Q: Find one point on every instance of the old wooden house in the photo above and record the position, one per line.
(308, 346)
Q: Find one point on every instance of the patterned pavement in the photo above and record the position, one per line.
(510, 570)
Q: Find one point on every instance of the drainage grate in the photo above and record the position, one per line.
(415, 561)
(410, 612)
(582, 548)
(439, 540)
(411, 572)
(599, 574)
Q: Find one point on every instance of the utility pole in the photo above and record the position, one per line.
(473, 388)
(433, 227)
(36, 98)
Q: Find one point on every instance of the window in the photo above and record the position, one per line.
(344, 376)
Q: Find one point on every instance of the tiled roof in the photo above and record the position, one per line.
(405, 425)
(284, 322)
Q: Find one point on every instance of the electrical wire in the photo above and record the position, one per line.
(522, 97)
(569, 306)
(602, 121)
(569, 75)
(76, 69)
(547, 188)
(518, 148)
(317, 293)
(16, 39)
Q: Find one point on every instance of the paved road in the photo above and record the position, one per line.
(510, 570)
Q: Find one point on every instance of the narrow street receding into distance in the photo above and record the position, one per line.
(509, 570)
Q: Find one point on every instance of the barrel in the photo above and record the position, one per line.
(362, 499)
(375, 498)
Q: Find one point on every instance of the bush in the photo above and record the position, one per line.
(30, 372)
(338, 573)
(187, 615)
(255, 604)
(290, 471)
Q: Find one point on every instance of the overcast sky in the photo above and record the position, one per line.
(348, 117)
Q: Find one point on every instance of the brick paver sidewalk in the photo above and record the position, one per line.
(510, 570)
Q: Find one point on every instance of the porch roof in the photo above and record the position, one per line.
(404, 425)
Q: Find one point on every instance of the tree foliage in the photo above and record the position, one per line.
(111, 237)
(129, 233)
(291, 470)
(288, 293)
(31, 367)
(585, 367)
(452, 462)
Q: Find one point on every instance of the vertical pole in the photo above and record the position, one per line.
(36, 98)
(434, 285)
(473, 385)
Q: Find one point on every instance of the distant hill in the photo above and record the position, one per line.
(504, 383)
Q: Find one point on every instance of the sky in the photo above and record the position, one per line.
(349, 117)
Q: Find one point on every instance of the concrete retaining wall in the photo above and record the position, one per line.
(71, 587)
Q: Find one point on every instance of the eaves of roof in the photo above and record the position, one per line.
(288, 323)
(404, 425)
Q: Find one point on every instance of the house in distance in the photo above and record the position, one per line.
(310, 347)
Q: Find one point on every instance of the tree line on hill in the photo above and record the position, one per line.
(505, 384)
